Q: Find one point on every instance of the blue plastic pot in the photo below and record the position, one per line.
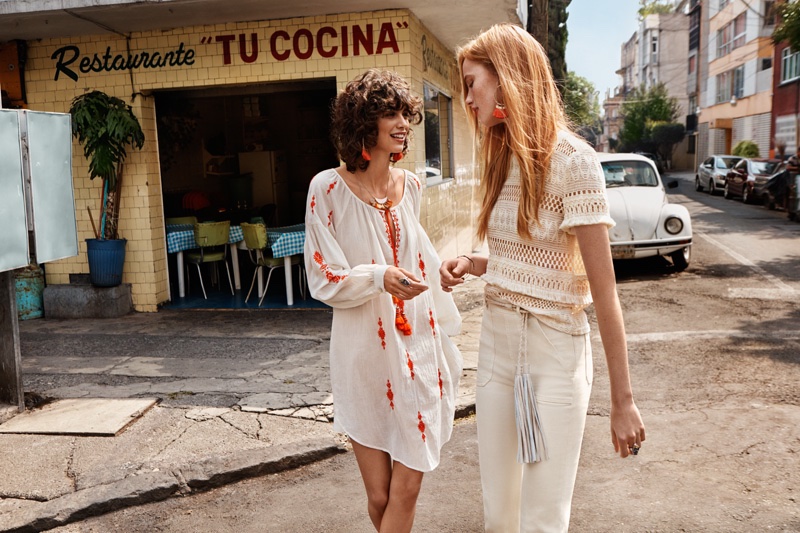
(106, 260)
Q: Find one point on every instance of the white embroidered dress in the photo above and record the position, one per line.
(392, 392)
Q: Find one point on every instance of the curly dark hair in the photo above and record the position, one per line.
(356, 110)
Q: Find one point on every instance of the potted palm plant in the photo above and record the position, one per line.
(105, 125)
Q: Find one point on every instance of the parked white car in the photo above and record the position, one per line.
(647, 224)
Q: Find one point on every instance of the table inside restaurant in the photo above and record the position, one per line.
(284, 241)
(180, 237)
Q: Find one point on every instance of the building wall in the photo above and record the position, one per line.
(219, 55)
(785, 105)
(741, 118)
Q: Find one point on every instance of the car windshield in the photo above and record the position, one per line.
(764, 167)
(726, 162)
(629, 174)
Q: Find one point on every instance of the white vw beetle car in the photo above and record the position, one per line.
(647, 224)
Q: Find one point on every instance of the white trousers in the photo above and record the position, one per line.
(536, 496)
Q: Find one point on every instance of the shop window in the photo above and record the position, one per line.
(438, 108)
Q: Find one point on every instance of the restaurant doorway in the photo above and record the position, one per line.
(212, 143)
(241, 154)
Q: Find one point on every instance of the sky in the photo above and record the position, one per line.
(597, 29)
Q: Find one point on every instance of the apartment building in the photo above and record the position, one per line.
(736, 94)
(786, 99)
(612, 104)
(654, 54)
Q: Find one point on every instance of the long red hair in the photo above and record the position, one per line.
(535, 114)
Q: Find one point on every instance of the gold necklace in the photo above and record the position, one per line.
(379, 203)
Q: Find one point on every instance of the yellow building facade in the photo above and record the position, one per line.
(252, 86)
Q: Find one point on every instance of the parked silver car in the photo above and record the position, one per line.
(711, 173)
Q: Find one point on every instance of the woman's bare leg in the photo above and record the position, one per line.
(404, 488)
(392, 489)
(376, 471)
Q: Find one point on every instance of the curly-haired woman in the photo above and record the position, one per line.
(394, 371)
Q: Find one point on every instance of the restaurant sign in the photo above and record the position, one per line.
(327, 41)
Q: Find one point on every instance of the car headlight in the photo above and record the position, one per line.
(673, 225)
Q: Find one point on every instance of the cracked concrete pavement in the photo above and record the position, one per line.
(241, 394)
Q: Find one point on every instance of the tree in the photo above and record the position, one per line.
(788, 27)
(557, 40)
(654, 7)
(665, 135)
(642, 109)
(581, 105)
(547, 22)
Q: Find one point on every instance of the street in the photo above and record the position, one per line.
(715, 364)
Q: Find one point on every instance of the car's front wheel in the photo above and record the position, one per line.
(698, 185)
(681, 258)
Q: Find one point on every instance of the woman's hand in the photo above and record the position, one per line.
(453, 271)
(402, 284)
(627, 429)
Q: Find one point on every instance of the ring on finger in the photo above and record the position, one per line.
(405, 281)
(634, 450)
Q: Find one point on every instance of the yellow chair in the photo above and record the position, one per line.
(255, 239)
(171, 221)
(212, 241)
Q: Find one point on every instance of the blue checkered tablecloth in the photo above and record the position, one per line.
(180, 237)
(286, 240)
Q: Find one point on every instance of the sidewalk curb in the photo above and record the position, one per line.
(154, 486)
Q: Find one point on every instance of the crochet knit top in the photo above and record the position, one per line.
(545, 275)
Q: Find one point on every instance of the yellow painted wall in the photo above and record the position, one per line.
(448, 210)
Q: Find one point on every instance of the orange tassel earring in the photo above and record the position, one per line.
(364, 154)
(396, 157)
(499, 111)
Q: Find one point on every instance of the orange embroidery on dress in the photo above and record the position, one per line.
(331, 186)
(313, 203)
(330, 276)
(400, 320)
(416, 181)
(432, 322)
(440, 382)
(396, 235)
(390, 395)
(330, 219)
(410, 364)
(422, 266)
(421, 425)
(381, 333)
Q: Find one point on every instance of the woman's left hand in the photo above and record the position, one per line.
(627, 429)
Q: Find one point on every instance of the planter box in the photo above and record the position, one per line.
(87, 301)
